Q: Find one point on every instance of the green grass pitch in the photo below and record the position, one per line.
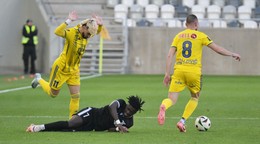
(231, 102)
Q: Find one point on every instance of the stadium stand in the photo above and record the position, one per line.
(250, 24)
(235, 3)
(175, 3)
(144, 23)
(188, 3)
(213, 12)
(112, 3)
(199, 11)
(182, 11)
(128, 3)
(219, 24)
(157, 2)
(159, 23)
(233, 24)
(136, 12)
(120, 12)
(167, 12)
(142, 3)
(131, 23)
(229, 13)
(151, 12)
(220, 3)
(250, 3)
(174, 23)
(244, 13)
(204, 3)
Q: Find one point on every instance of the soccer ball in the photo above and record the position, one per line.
(202, 123)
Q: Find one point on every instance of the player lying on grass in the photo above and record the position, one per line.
(116, 117)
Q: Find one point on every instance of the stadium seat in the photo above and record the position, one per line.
(181, 11)
(142, 3)
(204, 23)
(235, 3)
(136, 12)
(159, 23)
(167, 12)
(175, 23)
(233, 24)
(188, 3)
(143, 23)
(151, 12)
(257, 14)
(204, 3)
(131, 23)
(229, 13)
(220, 3)
(214, 12)
(219, 24)
(120, 13)
(112, 3)
(175, 3)
(128, 3)
(250, 3)
(244, 13)
(199, 11)
(157, 2)
(250, 24)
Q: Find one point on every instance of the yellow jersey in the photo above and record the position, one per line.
(189, 44)
(74, 47)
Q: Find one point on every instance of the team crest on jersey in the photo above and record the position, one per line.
(194, 36)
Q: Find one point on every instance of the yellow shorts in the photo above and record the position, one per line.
(180, 80)
(59, 77)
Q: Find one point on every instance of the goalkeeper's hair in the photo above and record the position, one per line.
(136, 102)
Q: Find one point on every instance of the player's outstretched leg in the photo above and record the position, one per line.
(35, 81)
(161, 115)
(33, 128)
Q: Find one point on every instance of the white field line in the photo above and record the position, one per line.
(64, 117)
(28, 87)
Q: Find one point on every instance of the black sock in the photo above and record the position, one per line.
(57, 126)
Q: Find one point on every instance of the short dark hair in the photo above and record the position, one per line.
(28, 20)
(136, 102)
(191, 18)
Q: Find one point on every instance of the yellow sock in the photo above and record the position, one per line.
(74, 104)
(190, 107)
(167, 103)
(45, 86)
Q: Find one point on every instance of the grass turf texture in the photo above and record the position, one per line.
(231, 102)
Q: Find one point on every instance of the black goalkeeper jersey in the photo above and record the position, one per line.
(100, 119)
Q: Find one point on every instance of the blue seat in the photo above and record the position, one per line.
(144, 23)
(234, 24)
(182, 11)
(175, 3)
(235, 3)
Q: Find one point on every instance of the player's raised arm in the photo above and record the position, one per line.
(60, 30)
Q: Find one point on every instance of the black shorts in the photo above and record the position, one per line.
(87, 116)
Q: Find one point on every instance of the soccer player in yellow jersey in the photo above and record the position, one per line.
(66, 67)
(187, 45)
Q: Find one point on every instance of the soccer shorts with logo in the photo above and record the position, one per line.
(181, 79)
(58, 77)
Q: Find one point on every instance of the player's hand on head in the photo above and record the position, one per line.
(73, 15)
(98, 19)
